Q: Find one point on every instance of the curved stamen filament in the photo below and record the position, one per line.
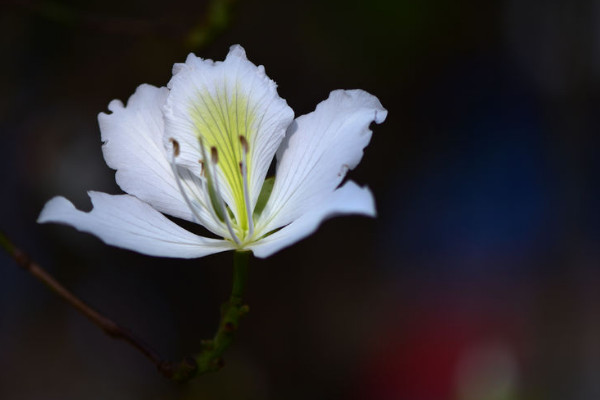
(178, 180)
(244, 172)
(207, 186)
(214, 155)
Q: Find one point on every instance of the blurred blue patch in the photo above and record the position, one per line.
(483, 190)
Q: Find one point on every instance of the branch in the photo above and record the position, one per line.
(108, 326)
(208, 360)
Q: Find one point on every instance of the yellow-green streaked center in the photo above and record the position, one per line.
(220, 118)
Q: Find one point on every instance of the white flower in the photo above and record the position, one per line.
(200, 149)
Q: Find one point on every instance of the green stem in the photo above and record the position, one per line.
(240, 273)
(210, 359)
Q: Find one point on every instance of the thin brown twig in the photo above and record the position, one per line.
(208, 360)
(108, 326)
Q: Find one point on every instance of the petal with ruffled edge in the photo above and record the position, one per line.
(132, 138)
(127, 222)
(348, 199)
(217, 102)
(318, 150)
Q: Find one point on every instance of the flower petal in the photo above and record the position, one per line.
(133, 145)
(217, 102)
(127, 222)
(318, 151)
(348, 199)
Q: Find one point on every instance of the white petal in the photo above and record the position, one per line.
(219, 101)
(127, 222)
(133, 145)
(318, 151)
(348, 199)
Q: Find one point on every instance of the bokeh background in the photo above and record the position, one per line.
(479, 280)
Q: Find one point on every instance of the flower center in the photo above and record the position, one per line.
(245, 227)
(220, 117)
(239, 231)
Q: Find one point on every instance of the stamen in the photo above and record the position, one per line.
(207, 185)
(244, 172)
(178, 180)
(215, 159)
(244, 144)
(176, 148)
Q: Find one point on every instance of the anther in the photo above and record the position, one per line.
(175, 146)
(178, 180)
(244, 144)
(208, 184)
(201, 167)
(215, 159)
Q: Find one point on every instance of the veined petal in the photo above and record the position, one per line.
(318, 151)
(217, 102)
(133, 145)
(127, 222)
(348, 199)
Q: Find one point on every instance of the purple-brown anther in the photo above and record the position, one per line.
(244, 144)
(176, 148)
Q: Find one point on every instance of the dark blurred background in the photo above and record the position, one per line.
(479, 280)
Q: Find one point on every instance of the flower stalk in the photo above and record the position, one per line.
(211, 357)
